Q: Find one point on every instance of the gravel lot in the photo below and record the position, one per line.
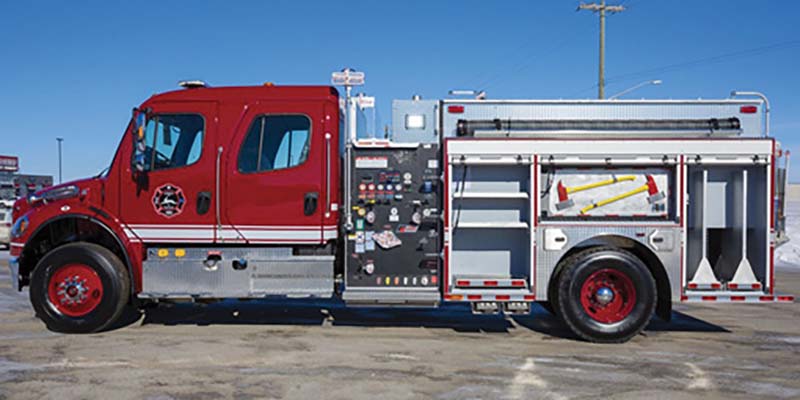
(314, 350)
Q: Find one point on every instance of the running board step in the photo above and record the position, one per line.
(395, 297)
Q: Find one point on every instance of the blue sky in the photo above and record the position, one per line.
(75, 69)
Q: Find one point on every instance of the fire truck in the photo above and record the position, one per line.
(606, 212)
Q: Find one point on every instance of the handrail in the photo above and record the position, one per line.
(766, 106)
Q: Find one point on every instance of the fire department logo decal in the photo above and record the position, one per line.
(168, 200)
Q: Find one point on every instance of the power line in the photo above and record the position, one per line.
(525, 63)
(601, 9)
(697, 62)
(709, 60)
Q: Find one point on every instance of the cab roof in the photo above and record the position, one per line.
(245, 93)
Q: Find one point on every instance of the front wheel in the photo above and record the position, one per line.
(605, 295)
(79, 288)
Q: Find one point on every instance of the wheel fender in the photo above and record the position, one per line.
(113, 228)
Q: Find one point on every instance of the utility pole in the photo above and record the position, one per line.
(59, 158)
(601, 8)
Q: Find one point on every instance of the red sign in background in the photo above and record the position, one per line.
(9, 163)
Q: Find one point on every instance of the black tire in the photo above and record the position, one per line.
(111, 273)
(577, 269)
(548, 306)
(551, 305)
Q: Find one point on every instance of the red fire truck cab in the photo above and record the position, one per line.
(250, 192)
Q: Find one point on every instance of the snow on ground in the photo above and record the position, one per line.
(788, 255)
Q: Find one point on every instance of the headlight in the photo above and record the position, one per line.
(20, 226)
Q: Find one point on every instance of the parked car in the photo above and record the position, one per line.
(5, 227)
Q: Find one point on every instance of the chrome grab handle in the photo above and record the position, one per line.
(327, 174)
(217, 191)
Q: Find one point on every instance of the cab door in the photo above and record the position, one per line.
(274, 175)
(170, 196)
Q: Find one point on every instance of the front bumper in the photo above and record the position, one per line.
(13, 264)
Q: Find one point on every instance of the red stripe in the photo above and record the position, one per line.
(772, 269)
(771, 206)
(503, 297)
(535, 194)
(682, 192)
(473, 297)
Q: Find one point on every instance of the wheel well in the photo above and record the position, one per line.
(63, 230)
(663, 289)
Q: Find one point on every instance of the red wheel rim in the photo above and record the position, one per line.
(608, 296)
(75, 290)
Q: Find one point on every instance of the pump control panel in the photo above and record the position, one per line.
(396, 209)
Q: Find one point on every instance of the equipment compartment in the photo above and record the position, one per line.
(727, 227)
(491, 221)
(592, 192)
(393, 250)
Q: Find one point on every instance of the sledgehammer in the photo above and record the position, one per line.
(654, 196)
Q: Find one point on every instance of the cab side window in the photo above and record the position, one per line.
(275, 142)
(173, 140)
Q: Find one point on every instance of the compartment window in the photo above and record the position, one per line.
(275, 142)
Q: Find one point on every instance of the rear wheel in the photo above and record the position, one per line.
(605, 295)
(79, 288)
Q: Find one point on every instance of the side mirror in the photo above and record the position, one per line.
(139, 144)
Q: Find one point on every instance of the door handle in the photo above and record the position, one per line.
(310, 203)
(203, 202)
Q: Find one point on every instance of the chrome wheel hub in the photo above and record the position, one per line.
(72, 290)
(604, 295)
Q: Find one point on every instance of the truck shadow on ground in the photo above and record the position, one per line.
(457, 317)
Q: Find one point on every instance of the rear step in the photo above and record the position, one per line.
(484, 282)
(719, 286)
(730, 296)
(493, 307)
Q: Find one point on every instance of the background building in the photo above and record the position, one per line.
(14, 185)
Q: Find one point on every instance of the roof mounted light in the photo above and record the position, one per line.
(192, 84)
